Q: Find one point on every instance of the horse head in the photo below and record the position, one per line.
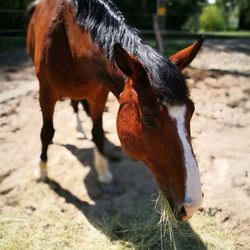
(158, 133)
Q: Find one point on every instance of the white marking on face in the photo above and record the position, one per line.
(193, 194)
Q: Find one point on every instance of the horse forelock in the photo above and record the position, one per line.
(107, 26)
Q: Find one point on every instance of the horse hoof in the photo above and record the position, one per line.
(111, 189)
(106, 177)
(41, 174)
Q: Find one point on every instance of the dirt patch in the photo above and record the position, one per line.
(221, 139)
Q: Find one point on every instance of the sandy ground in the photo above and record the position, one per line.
(220, 87)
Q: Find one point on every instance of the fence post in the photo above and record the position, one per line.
(159, 21)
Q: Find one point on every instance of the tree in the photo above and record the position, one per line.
(244, 14)
(243, 7)
(179, 12)
(211, 19)
(140, 12)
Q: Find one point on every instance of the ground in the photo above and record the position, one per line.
(219, 81)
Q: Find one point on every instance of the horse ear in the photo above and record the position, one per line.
(184, 57)
(131, 67)
(128, 64)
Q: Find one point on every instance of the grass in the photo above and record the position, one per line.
(231, 34)
(172, 45)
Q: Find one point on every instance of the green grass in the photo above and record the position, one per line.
(172, 45)
(231, 34)
(170, 40)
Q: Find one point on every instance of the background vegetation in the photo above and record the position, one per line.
(192, 15)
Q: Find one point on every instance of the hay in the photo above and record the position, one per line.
(140, 230)
(167, 221)
(151, 230)
(53, 231)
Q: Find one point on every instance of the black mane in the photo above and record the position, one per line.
(107, 26)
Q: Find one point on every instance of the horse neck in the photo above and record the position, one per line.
(100, 47)
(88, 55)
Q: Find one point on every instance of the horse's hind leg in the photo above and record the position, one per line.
(97, 105)
(76, 121)
(47, 101)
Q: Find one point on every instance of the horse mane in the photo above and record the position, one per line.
(107, 26)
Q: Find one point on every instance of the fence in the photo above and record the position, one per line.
(13, 23)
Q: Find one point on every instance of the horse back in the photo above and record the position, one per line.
(64, 54)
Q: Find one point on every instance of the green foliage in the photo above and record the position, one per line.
(237, 13)
(211, 19)
(138, 13)
(244, 17)
(179, 12)
(192, 24)
(230, 13)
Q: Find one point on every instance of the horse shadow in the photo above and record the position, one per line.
(115, 214)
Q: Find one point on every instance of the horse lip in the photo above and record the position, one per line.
(175, 210)
(185, 218)
(181, 218)
(166, 192)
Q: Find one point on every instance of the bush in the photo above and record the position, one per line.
(211, 19)
(192, 24)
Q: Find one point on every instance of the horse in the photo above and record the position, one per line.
(84, 49)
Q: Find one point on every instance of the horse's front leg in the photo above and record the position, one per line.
(100, 161)
(47, 101)
(97, 105)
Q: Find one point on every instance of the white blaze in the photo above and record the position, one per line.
(193, 194)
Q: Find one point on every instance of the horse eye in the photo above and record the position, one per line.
(149, 121)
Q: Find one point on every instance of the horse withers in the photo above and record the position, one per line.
(82, 49)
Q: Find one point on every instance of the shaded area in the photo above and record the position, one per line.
(233, 45)
(137, 226)
(13, 53)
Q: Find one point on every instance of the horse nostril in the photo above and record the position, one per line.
(182, 212)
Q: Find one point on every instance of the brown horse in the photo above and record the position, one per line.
(82, 49)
